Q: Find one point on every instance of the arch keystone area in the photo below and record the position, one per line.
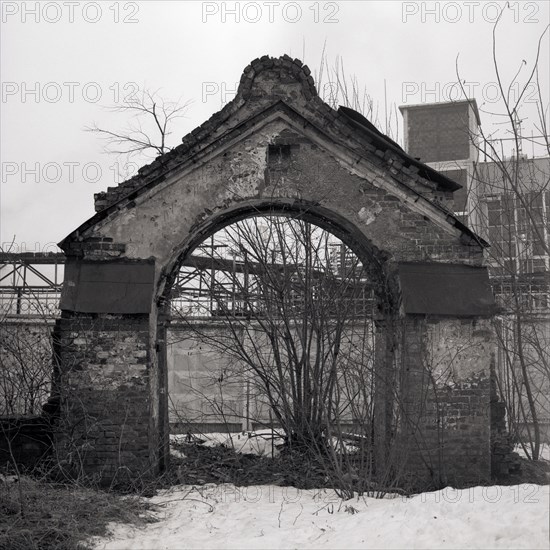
(277, 147)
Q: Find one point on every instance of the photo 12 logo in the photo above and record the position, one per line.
(69, 92)
(467, 12)
(270, 12)
(69, 12)
(272, 494)
(484, 92)
(527, 493)
(63, 172)
(221, 90)
(13, 247)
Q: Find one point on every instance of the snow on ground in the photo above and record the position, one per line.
(259, 442)
(225, 516)
(544, 451)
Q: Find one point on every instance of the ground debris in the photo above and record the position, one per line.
(221, 464)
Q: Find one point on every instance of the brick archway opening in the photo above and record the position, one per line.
(235, 331)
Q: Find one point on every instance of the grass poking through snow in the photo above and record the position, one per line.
(42, 515)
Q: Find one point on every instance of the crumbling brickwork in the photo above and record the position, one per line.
(277, 149)
(105, 431)
(437, 400)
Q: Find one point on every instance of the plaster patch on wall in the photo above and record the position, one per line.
(245, 164)
(458, 350)
(368, 214)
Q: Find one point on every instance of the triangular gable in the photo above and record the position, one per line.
(345, 134)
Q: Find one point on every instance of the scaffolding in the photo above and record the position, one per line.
(30, 283)
(205, 286)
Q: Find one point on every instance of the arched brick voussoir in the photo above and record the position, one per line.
(378, 263)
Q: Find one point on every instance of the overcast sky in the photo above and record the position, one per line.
(63, 62)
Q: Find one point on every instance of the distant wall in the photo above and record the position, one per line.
(205, 391)
(208, 390)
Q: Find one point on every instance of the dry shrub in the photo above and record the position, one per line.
(42, 515)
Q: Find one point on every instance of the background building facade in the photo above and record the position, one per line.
(506, 200)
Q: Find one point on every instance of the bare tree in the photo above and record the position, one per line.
(25, 347)
(337, 87)
(295, 333)
(25, 369)
(509, 204)
(150, 126)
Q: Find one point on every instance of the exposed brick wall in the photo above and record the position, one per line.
(460, 425)
(100, 248)
(440, 420)
(105, 395)
(439, 133)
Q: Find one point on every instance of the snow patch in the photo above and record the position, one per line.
(268, 516)
(259, 442)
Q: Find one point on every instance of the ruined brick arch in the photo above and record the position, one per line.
(277, 148)
(377, 263)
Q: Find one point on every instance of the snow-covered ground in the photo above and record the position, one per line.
(268, 516)
(259, 442)
(544, 451)
(266, 442)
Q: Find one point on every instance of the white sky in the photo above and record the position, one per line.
(185, 47)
